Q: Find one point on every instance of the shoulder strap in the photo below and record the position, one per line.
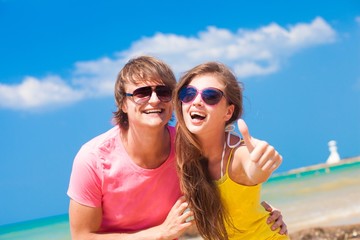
(229, 159)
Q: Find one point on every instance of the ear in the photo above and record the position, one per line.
(229, 112)
(124, 107)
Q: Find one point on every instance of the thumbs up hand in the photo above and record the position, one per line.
(263, 158)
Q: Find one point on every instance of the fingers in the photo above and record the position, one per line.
(183, 211)
(276, 220)
(283, 229)
(180, 205)
(274, 216)
(176, 221)
(266, 206)
(279, 224)
(262, 155)
(188, 214)
(244, 130)
(267, 158)
(180, 201)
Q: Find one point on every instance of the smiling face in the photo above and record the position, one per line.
(152, 113)
(201, 118)
(139, 72)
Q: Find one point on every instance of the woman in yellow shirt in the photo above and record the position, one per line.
(220, 174)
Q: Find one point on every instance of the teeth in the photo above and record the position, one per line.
(197, 115)
(153, 111)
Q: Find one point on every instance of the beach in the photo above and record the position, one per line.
(317, 233)
(317, 196)
(336, 232)
(317, 202)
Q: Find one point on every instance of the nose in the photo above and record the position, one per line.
(198, 100)
(154, 98)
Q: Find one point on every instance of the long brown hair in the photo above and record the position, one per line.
(195, 181)
(142, 69)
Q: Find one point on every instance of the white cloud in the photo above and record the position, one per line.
(268, 45)
(247, 52)
(34, 93)
(98, 76)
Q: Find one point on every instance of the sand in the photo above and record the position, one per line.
(334, 233)
(344, 232)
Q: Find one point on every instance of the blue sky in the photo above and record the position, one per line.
(299, 63)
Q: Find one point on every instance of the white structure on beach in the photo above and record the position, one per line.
(334, 156)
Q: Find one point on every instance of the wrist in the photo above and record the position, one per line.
(159, 235)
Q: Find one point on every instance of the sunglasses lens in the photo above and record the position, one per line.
(211, 96)
(142, 94)
(164, 93)
(187, 94)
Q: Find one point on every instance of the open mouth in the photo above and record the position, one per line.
(197, 115)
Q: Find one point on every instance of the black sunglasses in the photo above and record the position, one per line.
(143, 94)
(210, 96)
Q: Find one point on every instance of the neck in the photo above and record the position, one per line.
(213, 150)
(148, 148)
(213, 147)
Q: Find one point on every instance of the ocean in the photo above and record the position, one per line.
(317, 196)
(308, 197)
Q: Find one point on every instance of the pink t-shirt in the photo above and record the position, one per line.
(132, 198)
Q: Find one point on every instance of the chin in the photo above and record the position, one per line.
(193, 129)
(155, 123)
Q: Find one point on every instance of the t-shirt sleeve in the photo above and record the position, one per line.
(85, 180)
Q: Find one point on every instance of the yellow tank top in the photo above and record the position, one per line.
(247, 214)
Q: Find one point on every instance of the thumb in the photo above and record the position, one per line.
(244, 130)
(266, 206)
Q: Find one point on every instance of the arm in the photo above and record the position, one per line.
(85, 222)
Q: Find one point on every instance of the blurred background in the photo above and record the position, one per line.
(299, 63)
